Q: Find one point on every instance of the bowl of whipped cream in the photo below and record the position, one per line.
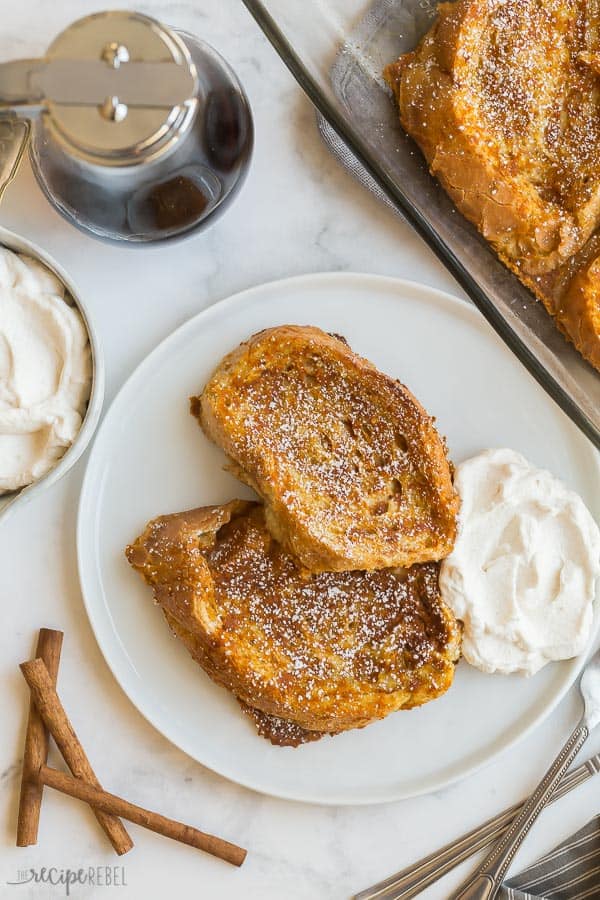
(523, 573)
(51, 372)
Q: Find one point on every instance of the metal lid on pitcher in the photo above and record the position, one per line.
(115, 87)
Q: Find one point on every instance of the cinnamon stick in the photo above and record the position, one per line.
(117, 806)
(36, 745)
(55, 718)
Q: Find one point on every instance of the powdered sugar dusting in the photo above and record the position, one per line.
(335, 447)
(324, 651)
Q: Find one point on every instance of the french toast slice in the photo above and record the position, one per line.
(281, 732)
(503, 98)
(306, 652)
(349, 465)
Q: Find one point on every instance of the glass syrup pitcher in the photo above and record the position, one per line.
(137, 133)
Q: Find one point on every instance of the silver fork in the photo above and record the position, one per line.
(487, 880)
(414, 879)
(488, 877)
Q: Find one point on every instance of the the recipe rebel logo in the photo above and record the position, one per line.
(67, 879)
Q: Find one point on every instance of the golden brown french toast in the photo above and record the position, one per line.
(281, 732)
(307, 652)
(349, 465)
(503, 98)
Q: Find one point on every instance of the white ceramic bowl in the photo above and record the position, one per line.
(10, 501)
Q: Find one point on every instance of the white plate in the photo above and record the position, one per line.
(150, 457)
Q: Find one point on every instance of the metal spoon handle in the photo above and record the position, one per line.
(487, 880)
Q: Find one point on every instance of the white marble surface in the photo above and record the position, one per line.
(298, 212)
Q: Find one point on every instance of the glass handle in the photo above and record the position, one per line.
(14, 135)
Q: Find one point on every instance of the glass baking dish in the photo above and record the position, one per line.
(337, 49)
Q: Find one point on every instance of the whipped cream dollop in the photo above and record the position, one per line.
(45, 370)
(522, 575)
